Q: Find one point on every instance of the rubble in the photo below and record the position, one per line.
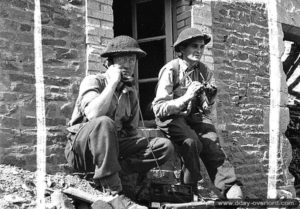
(18, 190)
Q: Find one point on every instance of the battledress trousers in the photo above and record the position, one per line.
(190, 129)
(105, 146)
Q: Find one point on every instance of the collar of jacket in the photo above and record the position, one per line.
(186, 67)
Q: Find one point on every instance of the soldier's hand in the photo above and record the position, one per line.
(193, 89)
(114, 74)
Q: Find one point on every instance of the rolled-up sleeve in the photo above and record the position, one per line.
(164, 103)
(90, 88)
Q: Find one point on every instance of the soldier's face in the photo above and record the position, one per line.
(127, 63)
(193, 51)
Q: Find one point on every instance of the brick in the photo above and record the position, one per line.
(223, 12)
(61, 34)
(9, 122)
(78, 29)
(11, 66)
(25, 38)
(8, 96)
(100, 15)
(20, 15)
(9, 25)
(25, 27)
(93, 5)
(28, 121)
(22, 77)
(108, 33)
(47, 32)
(55, 97)
(26, 49)
(52, 109)
(45, 18)
(4, 13)
(183, 16)
(182, 9)
(67, 109)
(218, 53)
(94, 57)
(182, 3)
(3, 108)
(22, 4)
(208, 59)
(77, 45)
(57, 81)
(56, 121)
(54, 42)
(22, 87)
(180, 24)
(53, 62)
(4, 43)
(108, 2)
(93, 40)
(8, 35)
(94, 21)
(77, 37)
(96, 67)
(106, 9)
(69, 54)
(188, 21)
(242, 56)
(63, 22)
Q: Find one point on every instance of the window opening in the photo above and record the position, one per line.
(150, 23)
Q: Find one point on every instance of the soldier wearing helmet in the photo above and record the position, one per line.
(103, 129)
(184, 98)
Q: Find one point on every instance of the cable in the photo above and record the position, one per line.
(143, 126)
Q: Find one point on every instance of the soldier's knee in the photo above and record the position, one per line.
(104, 121)
(192, 143)
(169, 147)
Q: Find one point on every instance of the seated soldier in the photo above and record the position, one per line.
(103, 129)
(184, 97)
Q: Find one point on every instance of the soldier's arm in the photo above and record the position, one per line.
(99, 102)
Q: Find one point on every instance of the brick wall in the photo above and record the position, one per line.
(64, 65)
(183, 15)
(241, 61)
(99, 32)
(75, 35)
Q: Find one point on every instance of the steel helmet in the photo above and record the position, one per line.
(123, 44)
(188, 34)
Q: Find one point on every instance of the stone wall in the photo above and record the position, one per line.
(63, 34)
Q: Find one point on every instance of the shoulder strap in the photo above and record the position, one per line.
(175, 67)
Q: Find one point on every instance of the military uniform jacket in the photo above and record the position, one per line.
(123, 109)
(176, 73)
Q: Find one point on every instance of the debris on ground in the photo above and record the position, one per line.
(18, 189)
